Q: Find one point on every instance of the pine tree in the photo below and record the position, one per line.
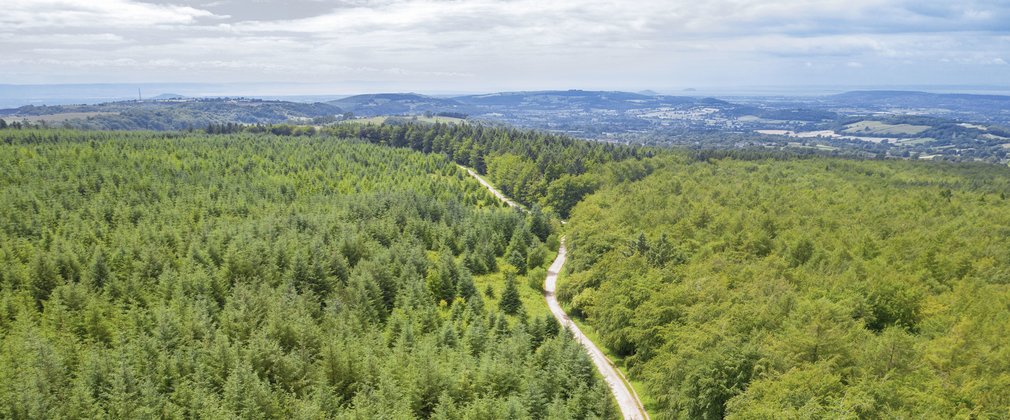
(516, 252)
(510, 302)
(538, 223)
(442, 280)
(518, 260)
(466, 289)
(44, 278)
(99, 270)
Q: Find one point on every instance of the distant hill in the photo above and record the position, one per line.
(908, 95)
(167, 96)
(586, 113)
(179, 115)
(395, 104)
(576, 99)
(960, 106)
(12, 96)
(560, 99)
(511, 102)
(912, 99)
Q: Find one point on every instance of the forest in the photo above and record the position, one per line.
(250, 275)
(532, 167)
(761, 286)
(356, 271)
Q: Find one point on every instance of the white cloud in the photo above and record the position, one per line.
(104, 14)
(496, 43)
(65, 40)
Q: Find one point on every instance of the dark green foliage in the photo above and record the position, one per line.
(517, 250)
(173, 275)
(515, 257)
(443, 279)
(801, 252)
(564, 193)
(528, 166)
(510, 302)
(538, 224)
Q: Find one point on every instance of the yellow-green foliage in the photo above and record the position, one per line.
(814, 288)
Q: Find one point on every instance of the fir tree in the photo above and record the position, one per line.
(510, 302)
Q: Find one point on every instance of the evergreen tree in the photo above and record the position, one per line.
(510, 302)
(517, 259)
(538, 224)
(466, 288)
(99, 273)
(246, 275)
(516, 251)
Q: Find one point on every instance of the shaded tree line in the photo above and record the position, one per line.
(532, 167)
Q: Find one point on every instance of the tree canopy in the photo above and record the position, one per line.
(260, 276)
(802, 288)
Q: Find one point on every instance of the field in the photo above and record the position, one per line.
(415, 118)
(826, 134)
(923, 140)
(533, 299)
(878, 128)
(58, 118)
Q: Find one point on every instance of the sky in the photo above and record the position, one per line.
(354, 46)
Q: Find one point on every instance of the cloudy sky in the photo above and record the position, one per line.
(485, 45)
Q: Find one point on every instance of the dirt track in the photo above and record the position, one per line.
(627, 399)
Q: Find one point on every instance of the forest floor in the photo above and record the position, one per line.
(627, 400)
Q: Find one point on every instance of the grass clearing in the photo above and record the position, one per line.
(533, 300)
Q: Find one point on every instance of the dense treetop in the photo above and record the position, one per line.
(355, 271)
(257, 276)
(803, 288)
(530, 166)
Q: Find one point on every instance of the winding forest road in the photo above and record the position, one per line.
(628, 401)
(490, 187)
